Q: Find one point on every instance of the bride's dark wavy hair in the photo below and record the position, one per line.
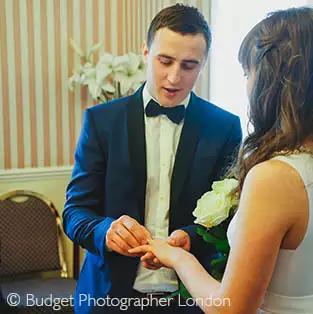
(279, 52)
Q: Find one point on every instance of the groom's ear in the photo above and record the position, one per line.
(145, 51)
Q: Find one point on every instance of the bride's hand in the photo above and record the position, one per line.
(168, 255)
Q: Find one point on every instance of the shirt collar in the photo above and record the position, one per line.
(146, 96)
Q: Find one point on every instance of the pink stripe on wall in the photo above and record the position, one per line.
(58, 82)
(120, 32)
(131, 10)
(95, 28)
(127, 38)
(5, 90)
(107, 18)
(151, 11)
(95, 33)
(135, 22)
(199, 5)
(147, 22)
(45, 83)
(198, 85)
(18, 83)
(71, 96)
(84, 91)
(139, 25)
(32, 85)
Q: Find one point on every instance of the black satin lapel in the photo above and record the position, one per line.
(137, 148)
(186, 150)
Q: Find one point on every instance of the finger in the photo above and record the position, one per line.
(118, 240)
(139, 232)
(156, 261)
(151, 259)
(121, 243)
(147, 256)
(114, 247)
(135, 254)
(126, 235)
(178, 243)
(150, 266)
(171, 242)
(140, 249)
(180, 238)
(150, 256)
(176, 240)
(159, 265)
(147, 235)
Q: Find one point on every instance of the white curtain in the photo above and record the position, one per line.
(230, 22)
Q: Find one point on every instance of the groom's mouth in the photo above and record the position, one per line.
(171, 91)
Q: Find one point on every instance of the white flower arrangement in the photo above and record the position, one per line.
(214, 206)
(214, 211)
(112, 77)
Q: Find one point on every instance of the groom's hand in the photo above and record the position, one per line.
(126, 233)
(180, 238)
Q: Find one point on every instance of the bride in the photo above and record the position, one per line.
(269, 269)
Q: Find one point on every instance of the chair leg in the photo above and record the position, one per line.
(76, 261)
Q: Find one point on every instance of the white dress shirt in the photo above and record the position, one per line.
(162, 138)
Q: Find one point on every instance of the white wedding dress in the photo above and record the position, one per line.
(291, 287)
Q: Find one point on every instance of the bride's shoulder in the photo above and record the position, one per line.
(274, 185)
(275, 173)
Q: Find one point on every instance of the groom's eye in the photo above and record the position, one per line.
(165, 61)
(188, 66)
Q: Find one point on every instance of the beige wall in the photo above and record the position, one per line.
(40, 119)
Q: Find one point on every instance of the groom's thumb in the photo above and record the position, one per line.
(174, 242)
(179, 238)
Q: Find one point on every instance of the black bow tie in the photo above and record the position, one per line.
(175, 114)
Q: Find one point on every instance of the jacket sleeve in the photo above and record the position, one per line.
(82, 220)
(202, 250)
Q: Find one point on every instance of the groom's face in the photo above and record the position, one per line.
(174, 62)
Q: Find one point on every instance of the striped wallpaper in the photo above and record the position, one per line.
(40, 119)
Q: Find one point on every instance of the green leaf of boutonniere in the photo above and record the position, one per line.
(200, 231)
(222, 246)
(210, 238)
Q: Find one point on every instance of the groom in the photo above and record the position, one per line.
(141, 164)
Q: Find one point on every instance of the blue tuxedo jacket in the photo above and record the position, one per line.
(109, 180)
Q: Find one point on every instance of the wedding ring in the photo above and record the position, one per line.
(149, 240)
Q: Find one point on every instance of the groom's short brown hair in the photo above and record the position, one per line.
(183, 19)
